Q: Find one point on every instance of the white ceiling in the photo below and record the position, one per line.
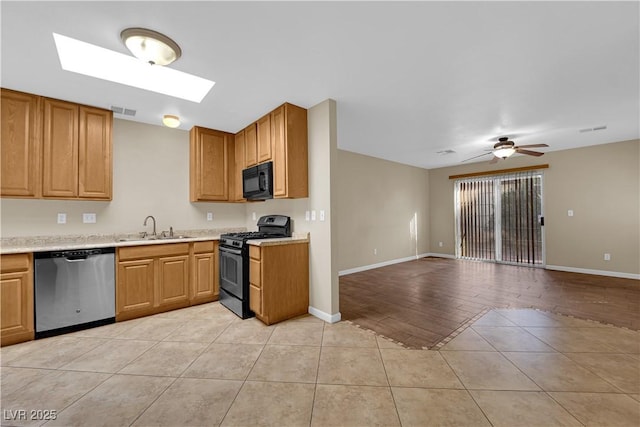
(410, 78)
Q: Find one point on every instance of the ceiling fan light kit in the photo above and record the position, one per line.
(151, 46)
(504, 149)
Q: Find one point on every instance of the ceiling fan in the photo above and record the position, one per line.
(504, 149)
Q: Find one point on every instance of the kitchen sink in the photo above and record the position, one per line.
(174, 237)
(147, 238)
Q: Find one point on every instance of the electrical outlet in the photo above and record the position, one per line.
(62, 218)
(307, 215)
(209, 216)
(321, 215)
(375, 251)
(570, 212)
(253, 216)
(607, 257)
(89, 218)
(313, 215)
(440, 244)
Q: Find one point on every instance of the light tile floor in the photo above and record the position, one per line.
(204, 366)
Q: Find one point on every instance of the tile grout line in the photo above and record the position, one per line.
(386, 375)
(315, 386)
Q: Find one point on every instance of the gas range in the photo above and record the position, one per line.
(234, 261)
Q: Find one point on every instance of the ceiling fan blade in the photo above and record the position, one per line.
(494, 160)
(476, 157)
(529, 152)
(532, 146)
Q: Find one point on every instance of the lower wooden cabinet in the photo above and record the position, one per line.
(155, 278)
(279, 281)
(205, 277)
(151, 279)
(16, 298)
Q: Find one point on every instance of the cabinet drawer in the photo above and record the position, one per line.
(255, 300)
(149, 251)
(200, 247)
(254, 273)
(254, 252)
(16, 262)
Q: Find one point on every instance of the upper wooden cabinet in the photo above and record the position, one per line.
(209, 164)
(290, 151)
(250, 145)
(264, 139)
(60, 149)
(55, 149)
(239, 145)
(95, 158)
(21, 144)
(218, 158)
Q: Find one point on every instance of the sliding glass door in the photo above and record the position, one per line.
(500, 218)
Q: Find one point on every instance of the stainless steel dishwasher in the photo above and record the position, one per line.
(74, 290)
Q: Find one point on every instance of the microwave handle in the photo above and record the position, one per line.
(262, 181)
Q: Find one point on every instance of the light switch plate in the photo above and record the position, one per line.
(62, 218)
(307, 215)
(313, 215)
(253, 216)
(570, 212)
(321, 215)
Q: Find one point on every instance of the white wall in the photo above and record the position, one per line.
(150, 177)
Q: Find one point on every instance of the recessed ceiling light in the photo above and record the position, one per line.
(171, 121)
(95, 61)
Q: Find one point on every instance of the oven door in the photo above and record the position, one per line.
(232, 271)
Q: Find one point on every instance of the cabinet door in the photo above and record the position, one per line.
(94, 153)
(209, 165)
(173, 280)
(16, 303)
(203, 276)
(134, 289)
(250, 147)
(21, 144)
(60, 149)
(239, 166)
(255, 300)
(264, 139)
(279, 152)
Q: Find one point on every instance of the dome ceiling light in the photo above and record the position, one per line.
(151, 46)
(171, 121)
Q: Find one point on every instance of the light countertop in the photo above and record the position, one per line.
(14, 245)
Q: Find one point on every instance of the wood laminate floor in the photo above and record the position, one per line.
(420, 303)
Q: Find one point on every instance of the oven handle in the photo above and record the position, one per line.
(233, 251)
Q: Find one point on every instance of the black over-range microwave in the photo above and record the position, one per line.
(257, 182)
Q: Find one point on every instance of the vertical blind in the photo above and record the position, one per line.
(476, 219)
(498, 218)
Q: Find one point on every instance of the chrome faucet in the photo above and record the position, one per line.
(154, 224)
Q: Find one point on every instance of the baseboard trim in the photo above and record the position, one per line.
(433, 254)
(596, 272)
(329, 318)
(380, 264)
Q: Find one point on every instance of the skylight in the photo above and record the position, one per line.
(95, 61)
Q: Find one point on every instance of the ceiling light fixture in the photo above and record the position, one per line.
(151, 46)
(95, 61)
(503, 153)
(171, 121)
